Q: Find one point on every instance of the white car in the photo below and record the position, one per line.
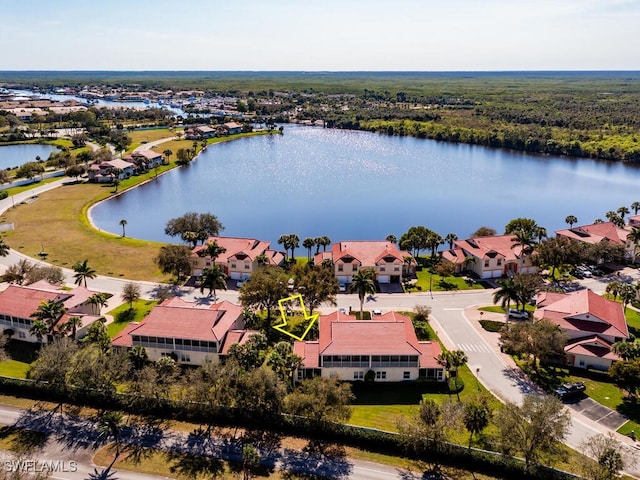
(519, 314)
(240, 282)
(342, 287)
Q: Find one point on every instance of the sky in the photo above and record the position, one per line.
(321, 35)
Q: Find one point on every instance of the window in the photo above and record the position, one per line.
(233, 265)
(582, 363)
(382, 269)
(406, 375)
(396, 269)
(208, 264)
(185, 358)
(340, 267)
(486, 263)
(358, 375)
(499, 261)
(381, 375)
(355, 267)
(300, 374)
(247, 266)
(21, 335)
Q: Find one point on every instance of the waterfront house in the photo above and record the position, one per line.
(389, 263)
(144, 159)
(109, 170)
(490, 257)
(592, 324)
(232, 128)
(602, 232)
(200, 133)
(386, 346)
(188, 332)
(239, 260)
(18, 303)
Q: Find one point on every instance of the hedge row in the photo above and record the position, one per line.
(490, 463)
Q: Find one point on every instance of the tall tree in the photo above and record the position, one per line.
(450, 238)
(477, 415)
(213, 251)
(415, 240)
(167, 154)
(50, 312)
(635, 206)
(70, 327)
(634, 237)
(203, 225)
(505, 294)
(484, 232)
(362, 284)
(130, 293)
(605, 460)
(264, 289)
(123, 223)
(622, 211)
(317, 285)
(391, 238)
(321, 399)
(571, 220)
(213, 278)
(174, 260)
(98, 301)
(82, 272)
(308, 243)
(533, 428)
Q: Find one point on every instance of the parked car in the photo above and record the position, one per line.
(342, 287)
(519, 314)
(240, 282)
(567, 391)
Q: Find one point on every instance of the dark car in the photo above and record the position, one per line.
(569, 390)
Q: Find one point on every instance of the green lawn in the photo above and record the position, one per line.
(125, 314)
(21, 356)
(439, 284)
(14, 368)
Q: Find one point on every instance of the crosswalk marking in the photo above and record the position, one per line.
(473, 347)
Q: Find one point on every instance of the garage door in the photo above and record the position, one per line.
(235, 276)
(384, 279)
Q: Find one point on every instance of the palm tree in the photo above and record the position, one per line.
(98, 300)
(450, 238)
(4, 248)
(635, 206)
(326, 241)
(213, 251)
(39, 329)
(628, 293)
(262, 260)
(392, 238)
(613, 288)
(623, 211)
(71, 326)
(294, 242)
(131, 293)
(50, 312)
(109, 424)
(570, 220)
(634, 237)
(540, 234)
(83, 271)
(123, 223)
(167, 153)
(213, 278)
(508, 291)
(362, 283)
(308, 243)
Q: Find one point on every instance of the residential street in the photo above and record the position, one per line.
(455, 323)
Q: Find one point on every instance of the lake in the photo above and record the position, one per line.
(352, 185)
(15, 155)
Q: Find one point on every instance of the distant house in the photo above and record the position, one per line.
(591, 322)
(603, 232)
(144, 159)
(387, 346)
(232, 128)
(490, 257)
(200, 133)
(389, 263)
(189, 333)
(18, 303)
(109, 170)
(239, 260)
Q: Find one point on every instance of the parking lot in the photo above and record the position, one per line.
(598, 413)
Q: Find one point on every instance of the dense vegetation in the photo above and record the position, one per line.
(584, 114)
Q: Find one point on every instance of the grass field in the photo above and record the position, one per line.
(139, 136)
(124, 314)
(68, 240)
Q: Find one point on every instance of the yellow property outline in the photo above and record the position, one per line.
(283, 313)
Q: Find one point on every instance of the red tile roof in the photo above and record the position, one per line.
(596, 233)
(583, 311)
(235, 246)
(592, 347)
(148, 154)
(501, 245)
(388, 334)
(123, 339)
(22, 302)
(236, 336)
(368, 252)
(455, 255)
(179, 319)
